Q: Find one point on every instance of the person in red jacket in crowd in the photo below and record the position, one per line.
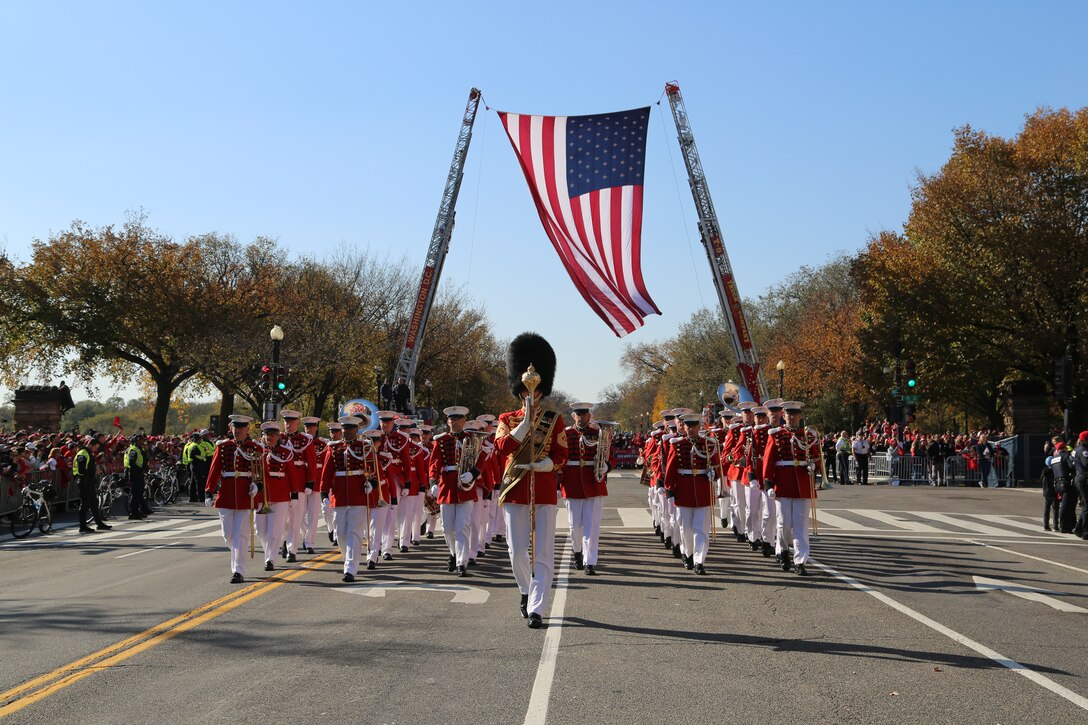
(311, 496)
(230, 488)
(535, 440)
(454, 488)
(583, 493)
(274, 497)
(394, 451)
(410, 489)
(301, 479)
(349, 482)
(691, 465)
(789, 466)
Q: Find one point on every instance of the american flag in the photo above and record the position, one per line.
(586, 176)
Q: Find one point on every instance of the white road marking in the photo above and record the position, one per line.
(962, 523)
(144, 551)
(1039, 679)
(1011, 521)
(636, 518)
(889, 518)
(838, 522)
(537, 714)
(171, 533)
(1029, 556)
(462, 593)
(1032, 594)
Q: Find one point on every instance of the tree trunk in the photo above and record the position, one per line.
(165, 384)
(322, 396)
(226, 409)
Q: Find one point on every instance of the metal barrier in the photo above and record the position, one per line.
(11, 496)
(954, 470)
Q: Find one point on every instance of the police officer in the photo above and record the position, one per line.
(1062, 466)
(193, 455)
(1080, 481)
(135, 468)
(83, 468)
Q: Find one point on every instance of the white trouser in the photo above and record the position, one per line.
(492, 516)
(328, 513)
(595, 509)
(677, 530)
(270, 529)
(479, 524)
(793, 516)
(738, 499)
(236, 532)
(577, 513)
(500, 517)
(311, 512)
(666, 516)
(295, 509)
(407, 518)
(419, 519)
(456, 527)
(769, 512)
(378, 517)
(753, 524)
(534, 579)
(389, 528)
(348, 522)
(694, 531)
(725, 503)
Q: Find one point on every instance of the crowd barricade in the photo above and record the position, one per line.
(957, 470)
(10, 496)
(11, 490)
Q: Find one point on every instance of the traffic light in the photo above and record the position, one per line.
(266, 377)
(911, 376)
(281, 378)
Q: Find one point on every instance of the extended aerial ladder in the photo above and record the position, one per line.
(711, 233)
(436, 252)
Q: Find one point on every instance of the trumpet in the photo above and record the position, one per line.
(470, 451)
(604, 446)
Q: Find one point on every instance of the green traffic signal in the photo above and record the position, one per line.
(281, 385)
(911, 383)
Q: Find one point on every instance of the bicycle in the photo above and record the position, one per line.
(33, 511)
(109, 489)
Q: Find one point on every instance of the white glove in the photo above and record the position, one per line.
(434, 490)
(521, 431)
(466, 477)
(721, 490)
(770, 493)
(544, 465)
(404, 493)
(252, 490)
(368, 487)
(753, 484)
(394, 460)
(387, 455)
(207, 500)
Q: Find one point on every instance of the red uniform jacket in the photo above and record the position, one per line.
(343, 474)
(396, 471)
(278, 463)
(651, 456)
(579, 480)
(445, 457)
(555, 448)
(303, 468)
(785, 463)
(690, 467)
(320, 444)
(420, 463)
(753, 463)
(486, 465)
(231, 473)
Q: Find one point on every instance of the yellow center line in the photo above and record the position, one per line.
(107, 657)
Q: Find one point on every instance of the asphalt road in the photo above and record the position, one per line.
(140, 625)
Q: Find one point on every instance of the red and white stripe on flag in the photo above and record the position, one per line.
(585, 175)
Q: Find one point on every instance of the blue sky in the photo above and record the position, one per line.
(332, 124)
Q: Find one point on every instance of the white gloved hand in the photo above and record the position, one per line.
(368, 487)
(721, 490)
(394, 460)
(387, 455)
(770, 493)
(404, 493)
(252, 490)
(521, 431)
(207, 500)
(434, 490)
(465, 477)
(544, 465)
(753, 484)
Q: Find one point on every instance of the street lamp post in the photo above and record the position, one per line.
(272, 404)
(781, 368)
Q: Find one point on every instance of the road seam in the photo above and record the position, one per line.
(1039, 679)
(537, 714)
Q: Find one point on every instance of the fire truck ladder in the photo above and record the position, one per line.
(436, 253)
(711, 233)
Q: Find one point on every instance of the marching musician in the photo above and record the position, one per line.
(770, 503)
(301, 475)
(413, 514)
(429, 518)
(755, 445)
(274, 494)
(690, 470)
(651, 453)
(348, 481)
(231, 490)
(409, 491)
(668, 506)
(336, 434)
(676, 432)
(453, 484)
(532, 447)
(485, 486)
(393, 452)
(311, 498)
(789, 466)
(738, 497)
(583, 494)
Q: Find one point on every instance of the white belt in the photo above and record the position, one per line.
(276, 474)
(790, 463)
(449, 468)
(300, 463)
(579, 464)
(236, 474)
(349, 473)
(692, 471)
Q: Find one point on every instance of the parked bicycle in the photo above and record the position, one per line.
(33, 511)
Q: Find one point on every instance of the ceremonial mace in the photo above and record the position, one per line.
(530, 379)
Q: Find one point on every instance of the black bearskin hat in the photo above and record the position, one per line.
(527, 349)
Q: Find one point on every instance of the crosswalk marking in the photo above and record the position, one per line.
(889, 517)
(1011, 521)
(838, 522)
(635, 518)
(966, 524)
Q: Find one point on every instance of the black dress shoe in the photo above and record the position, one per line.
(387, 556)
(86, 530)
(291, 558)
(590, 570)
(1046, 528)
(487, 545)
(689, 563)
(103, 527)
(676, 551)
(268, 566)
(309, 549)
(332, 538)
(787, 564)
(525, 606)
(500, 537)
(755, 545)
(578, 560)
(451, 564)
(472, 562)
(801, 570)
(462, 571)
(535, 622)
(237, 578)
(668, 542)
(371, 566)
(422, 529)
(283, 550)
(134, 517)
(430, 534)
(724, 523)
(415, 543)
(700, 570)
(768, 549)
(657, 530)
(349, 578)
(404, 549)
